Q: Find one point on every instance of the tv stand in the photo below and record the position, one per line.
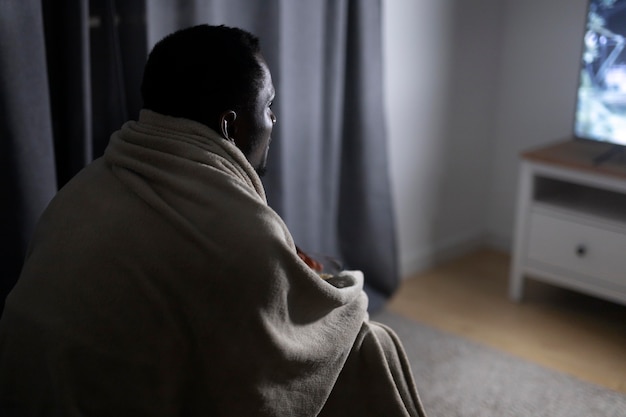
(609, 154)
(570, 227)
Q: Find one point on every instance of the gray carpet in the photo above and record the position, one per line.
(457, 377)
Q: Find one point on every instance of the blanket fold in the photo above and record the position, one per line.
(159, 282)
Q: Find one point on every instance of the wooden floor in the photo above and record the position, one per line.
(570, 332)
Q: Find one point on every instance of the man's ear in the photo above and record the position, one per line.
(227, 125)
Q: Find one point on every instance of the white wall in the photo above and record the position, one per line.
(536, 97)
(469, 84)
(441, 62)
(415, 41)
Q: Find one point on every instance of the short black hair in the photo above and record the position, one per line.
(201, 71)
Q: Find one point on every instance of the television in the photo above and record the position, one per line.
(600, 113)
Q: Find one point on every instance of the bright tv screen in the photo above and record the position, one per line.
(601, 100)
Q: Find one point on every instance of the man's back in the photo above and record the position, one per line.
(84, 307)
(159, 280)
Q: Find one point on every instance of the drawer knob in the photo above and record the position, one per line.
(581, 251)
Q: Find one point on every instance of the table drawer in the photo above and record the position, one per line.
(578, 247)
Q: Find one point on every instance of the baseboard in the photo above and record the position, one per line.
(415, 263)
(499, 242)
(452, 248)
(449, 249)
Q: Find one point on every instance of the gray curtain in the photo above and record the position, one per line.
(69, 76)
(328, 175)
(27, 166)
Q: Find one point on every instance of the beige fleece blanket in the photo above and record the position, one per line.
(160, 283)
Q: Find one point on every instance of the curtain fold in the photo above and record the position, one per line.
(69, 76)
(69, 70)
(118, 51)
(74, 84)
(27, 164)
(366, 229)
(95, 55)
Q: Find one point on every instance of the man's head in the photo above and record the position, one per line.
(217, 76)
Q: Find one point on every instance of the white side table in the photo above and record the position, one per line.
(570, 227)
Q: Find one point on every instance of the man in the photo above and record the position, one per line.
(159, 282)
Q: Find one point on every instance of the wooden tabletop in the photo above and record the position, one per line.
(583, 155)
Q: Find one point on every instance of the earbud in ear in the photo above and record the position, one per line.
(225, 127)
